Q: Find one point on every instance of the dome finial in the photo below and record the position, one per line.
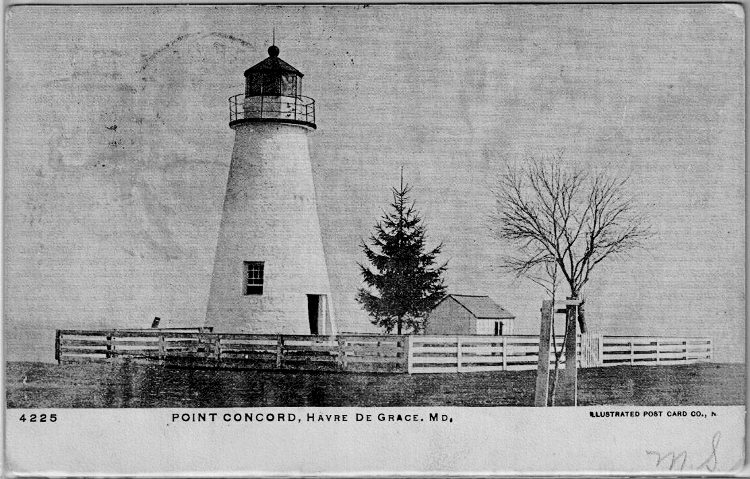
(273, 50)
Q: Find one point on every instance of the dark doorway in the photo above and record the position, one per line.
(313, 304)
(498, 328)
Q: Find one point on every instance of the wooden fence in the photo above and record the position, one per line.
(199, 347)
(366, 353)
(645, 350)
(451, 354)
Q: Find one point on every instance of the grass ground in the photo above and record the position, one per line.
(128, 384)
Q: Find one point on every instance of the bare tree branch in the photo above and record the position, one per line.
(563, 222)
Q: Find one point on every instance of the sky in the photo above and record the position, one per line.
(117, 151)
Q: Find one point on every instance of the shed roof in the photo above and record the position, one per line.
(482, 307)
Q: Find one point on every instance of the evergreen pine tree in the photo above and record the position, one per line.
(407, 282)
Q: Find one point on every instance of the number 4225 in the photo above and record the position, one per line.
(38, 418)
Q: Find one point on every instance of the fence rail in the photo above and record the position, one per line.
(367, 352)
(451, 354)
(385, 353)
(446, 354)
(654, 350)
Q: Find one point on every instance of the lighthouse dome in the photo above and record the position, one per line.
(273, 64)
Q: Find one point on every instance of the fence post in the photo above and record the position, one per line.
(279, 350)
(505, 350)
(458, 354)
(409, 362)
(632, 353)
(162, 346)
(57, 346)
(710, 350)
(217, 347)
(109, 347)
(657, 352)
(600, 352)
(341, 351)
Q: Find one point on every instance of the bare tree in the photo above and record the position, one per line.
(561, 223)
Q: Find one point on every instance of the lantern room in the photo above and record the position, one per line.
(273, 76)
(273, 92)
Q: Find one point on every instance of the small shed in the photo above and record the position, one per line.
(469, 315)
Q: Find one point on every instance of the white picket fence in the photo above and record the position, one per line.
(451, 354)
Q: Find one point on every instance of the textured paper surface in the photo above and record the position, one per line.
(117, 152)
(479, 440)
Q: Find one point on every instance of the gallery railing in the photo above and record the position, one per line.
(296, 109)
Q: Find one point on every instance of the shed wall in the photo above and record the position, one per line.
(449, 317)
(487, 326)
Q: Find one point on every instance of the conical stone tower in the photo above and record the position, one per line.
(269, 272)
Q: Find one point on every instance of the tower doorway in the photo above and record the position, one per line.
(313, 312)
(318, 314)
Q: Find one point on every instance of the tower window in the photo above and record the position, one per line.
(253, 277)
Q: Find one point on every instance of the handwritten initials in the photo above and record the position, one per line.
(677, 461)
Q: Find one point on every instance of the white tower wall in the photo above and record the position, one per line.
(270, 215)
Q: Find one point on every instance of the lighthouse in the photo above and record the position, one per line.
(270, 274)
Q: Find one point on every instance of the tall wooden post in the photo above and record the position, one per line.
(568, 390)
(542, 370)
